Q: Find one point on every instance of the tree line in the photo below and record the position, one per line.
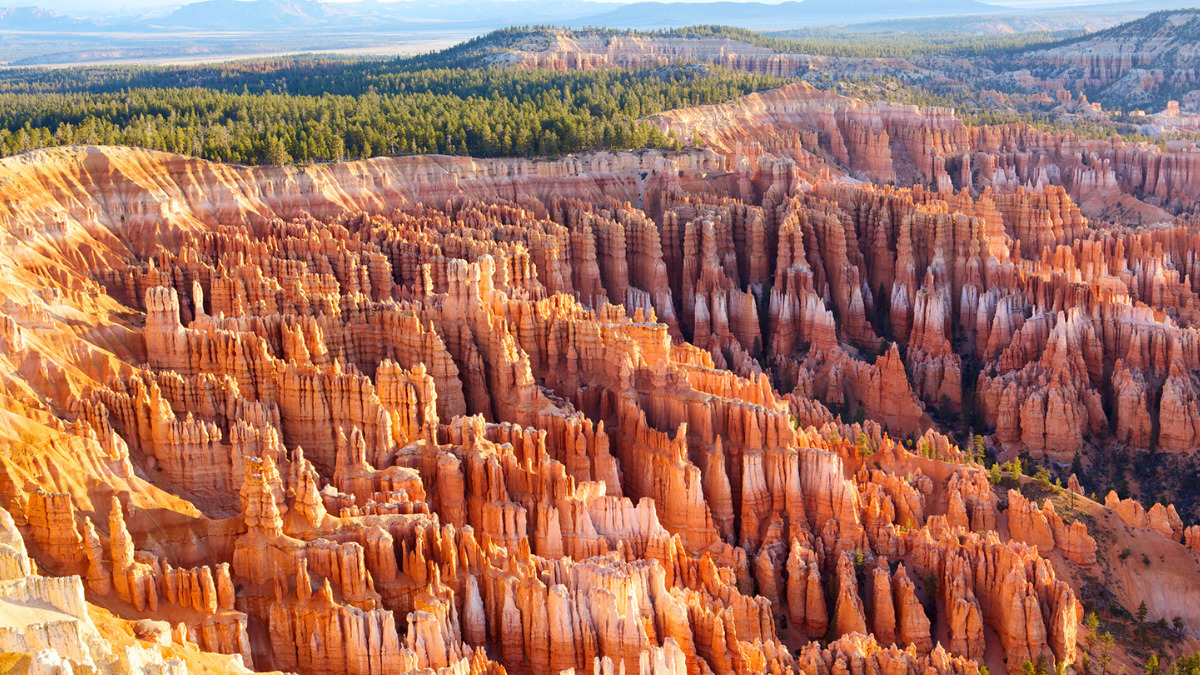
(351, 110)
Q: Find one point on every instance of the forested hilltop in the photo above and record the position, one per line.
(308, 109)
(352, 110)
(530, 91)
(311, 109)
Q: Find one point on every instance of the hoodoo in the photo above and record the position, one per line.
(792, 400)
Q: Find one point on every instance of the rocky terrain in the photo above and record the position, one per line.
(583, 50)
(1142, 63)
(722, 410)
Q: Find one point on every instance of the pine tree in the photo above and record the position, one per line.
(275, 152)
(1152, 667)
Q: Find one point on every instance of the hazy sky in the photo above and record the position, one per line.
(107, 7)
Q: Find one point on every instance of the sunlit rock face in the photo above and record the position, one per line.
(662, 412)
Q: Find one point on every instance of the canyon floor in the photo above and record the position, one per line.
(847, 388)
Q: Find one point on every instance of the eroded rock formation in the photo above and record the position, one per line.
(659, 412)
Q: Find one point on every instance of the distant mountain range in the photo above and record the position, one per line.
(761, 16)
(364, 14)
(281, 15)
(221, 29)
(374, 15)
(38, 19)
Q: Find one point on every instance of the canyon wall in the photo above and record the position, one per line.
(659, 412)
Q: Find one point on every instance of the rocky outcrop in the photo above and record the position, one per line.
(48, 617)
(849, 616)
(669, 412)
(583, 50)
(1046, 530)
(1162, 519)
(1029, 524)
(912, 625)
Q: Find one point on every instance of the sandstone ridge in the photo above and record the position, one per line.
(659, 412)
